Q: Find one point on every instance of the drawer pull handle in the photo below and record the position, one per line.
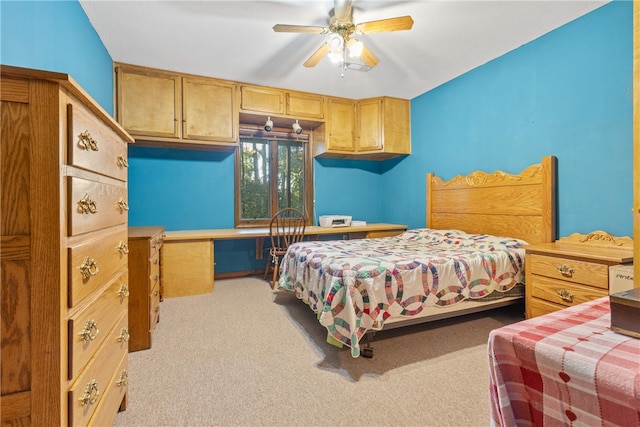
(89, 268)
(565, 270)
(86, 205)
(157, 309)
(565, 295)
(86, 141)
(91, 393)
(123, 248)
(122, 205)
(88, 334)
(121, 161)
(124, 378)
(123, 292)
(155, 294)
(124, 335)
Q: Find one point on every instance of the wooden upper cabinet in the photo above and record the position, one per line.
(369, 125)
(384, 126)
(148, 103)
(165, 108)
(305, 105)
(262, 99)
(340, 125)
(208, 110)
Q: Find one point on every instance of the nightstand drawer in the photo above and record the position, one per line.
(562, 292)
(571, 270)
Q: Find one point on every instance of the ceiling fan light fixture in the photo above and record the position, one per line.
(335, 43)
(355, 48)
(335, 57)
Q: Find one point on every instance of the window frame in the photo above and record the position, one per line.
(273, 137)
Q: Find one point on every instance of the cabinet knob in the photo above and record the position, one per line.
(124, 335)
(565, 295)
(91, 393)
(123, 292)
(123, 248)
(89, 268)
(565, 270)
(86, 141)
(90, 331)
(87, 206)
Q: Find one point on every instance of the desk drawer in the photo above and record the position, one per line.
(583, 272)
(93, 262)
(89, 327)
(562, 292)
(94, 146)
(95, 205)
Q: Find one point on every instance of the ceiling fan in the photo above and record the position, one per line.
(341, 28)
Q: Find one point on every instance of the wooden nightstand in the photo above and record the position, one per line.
(572, 270)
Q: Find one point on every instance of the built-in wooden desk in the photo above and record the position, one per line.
(188, 258)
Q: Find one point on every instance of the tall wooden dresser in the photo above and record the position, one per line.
(64, 300)
(144, 284)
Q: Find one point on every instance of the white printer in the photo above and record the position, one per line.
(335, 221)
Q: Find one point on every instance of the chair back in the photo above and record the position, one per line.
(286, 228)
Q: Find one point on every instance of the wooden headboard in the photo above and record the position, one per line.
(521, 206)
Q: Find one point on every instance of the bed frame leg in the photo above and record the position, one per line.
(367, 351)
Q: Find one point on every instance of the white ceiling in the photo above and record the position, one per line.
(234, 40)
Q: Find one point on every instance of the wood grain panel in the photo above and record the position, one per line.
(105, 311)
(16, 408)
(547, 289)
(106, 198)
(588, 273)
(521, 206)
(110, 155)
(108, 259)
(187, 268)
(14, 175)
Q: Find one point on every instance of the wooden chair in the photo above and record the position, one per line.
(286, 228)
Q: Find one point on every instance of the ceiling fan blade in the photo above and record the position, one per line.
(283, 28)
(368, 58)
(342, 10)
(317, 56)
(392, 24)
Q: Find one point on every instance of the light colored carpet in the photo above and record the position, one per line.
(248, 356)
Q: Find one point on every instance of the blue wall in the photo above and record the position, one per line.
(57, 36)
(568, 94)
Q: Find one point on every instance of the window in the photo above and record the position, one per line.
(273, 171)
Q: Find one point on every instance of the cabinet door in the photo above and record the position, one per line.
(261, 99)
(340, 124)
(209, 112)
(305, 105)
(370, 125)
(148, 103)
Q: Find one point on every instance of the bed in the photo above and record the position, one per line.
(469, 258)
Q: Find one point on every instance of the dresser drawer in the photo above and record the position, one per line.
(106, 412)
(95, 205)
(88, 328)
(538, 307)
(154, 308)
(92, 263)
(584, 272)
(87, 393)
(94, 146)
(562, 292)
(154, 270)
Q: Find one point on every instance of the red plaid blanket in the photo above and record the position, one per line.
(565, 368)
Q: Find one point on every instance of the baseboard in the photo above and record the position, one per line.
(236, 274)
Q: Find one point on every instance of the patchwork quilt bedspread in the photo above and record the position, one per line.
(566, 368)
(355, 285)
